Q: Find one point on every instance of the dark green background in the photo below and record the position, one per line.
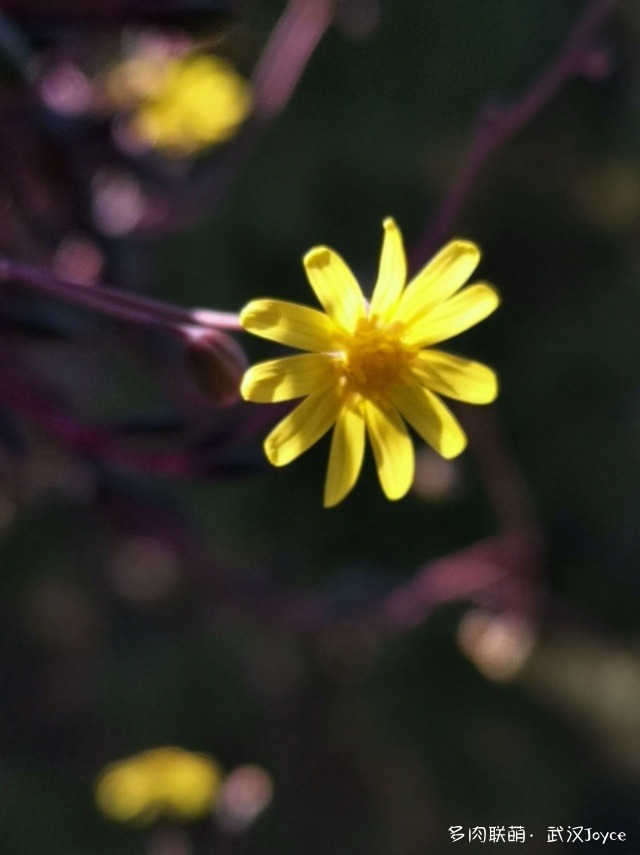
(379, 751)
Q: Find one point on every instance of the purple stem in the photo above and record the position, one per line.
(287, 53)
(496, 573)
(96, 442)
(496, 125)
(119, 304)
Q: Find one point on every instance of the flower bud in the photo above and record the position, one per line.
(217, 364)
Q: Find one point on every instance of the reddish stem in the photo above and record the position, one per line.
(496, 125)
(287, 53)
(121, 305)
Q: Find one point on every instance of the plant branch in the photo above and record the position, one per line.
(118, 304)
(496, 125)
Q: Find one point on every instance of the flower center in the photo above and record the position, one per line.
(374, 361)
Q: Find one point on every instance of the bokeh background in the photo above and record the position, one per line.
(229, 613)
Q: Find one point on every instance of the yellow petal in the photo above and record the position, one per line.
(392, 274)
(455, 377)
(335, 286)
(347, 453)
(454, 316)
(392, 449)
(426, 413)
(288, 323)
(290, 377)
(303, 427)
(445, 274)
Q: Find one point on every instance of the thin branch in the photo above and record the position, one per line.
(287, 53)
(496, 125)
(118, 304)
(497, 573)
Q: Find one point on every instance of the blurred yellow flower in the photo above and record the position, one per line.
(180, 104)
(371, 365)
(167, 782)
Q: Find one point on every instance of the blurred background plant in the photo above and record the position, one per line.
(353, 681)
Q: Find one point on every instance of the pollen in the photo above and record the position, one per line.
(374, 361)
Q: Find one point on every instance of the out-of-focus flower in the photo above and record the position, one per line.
(371, 365)
(437, 479)
(180, 104)
(498, 645)
(247, 791)
(166, 782)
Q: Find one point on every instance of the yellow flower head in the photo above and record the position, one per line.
(161, 782)
(372, 364)
(181, 104)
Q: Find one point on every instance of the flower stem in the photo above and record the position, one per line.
(496, 125)
(118, 304)
(287, 53)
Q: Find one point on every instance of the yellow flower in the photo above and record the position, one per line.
(181, 104)
(371, 365)
(160, 782)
